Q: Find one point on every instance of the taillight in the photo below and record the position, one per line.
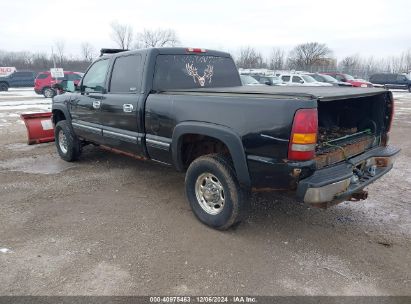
(195, 50)
(303, 135)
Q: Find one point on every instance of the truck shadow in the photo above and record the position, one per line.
(269, 212)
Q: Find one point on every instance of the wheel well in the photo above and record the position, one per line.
(57, 116)
(193, 146)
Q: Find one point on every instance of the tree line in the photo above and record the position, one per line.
(318, 57)
(309, 56)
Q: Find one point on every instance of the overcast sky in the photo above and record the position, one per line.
(378, 28)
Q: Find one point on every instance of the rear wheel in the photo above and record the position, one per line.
(67, 143)
(409, 89)
(4, 86)
(214, 193)
(49, 92)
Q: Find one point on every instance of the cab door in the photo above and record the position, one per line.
(85, 105)
(120, 114)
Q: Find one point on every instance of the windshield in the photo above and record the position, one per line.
(348, 77)
(194, 71)
(308, 78)
(246, 79)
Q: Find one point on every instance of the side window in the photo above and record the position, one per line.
(401, 78)
(263, 80)
(94, 79)
(285, 78)
(339, 77)
(126, 75)
(73, 77)
(297, 79)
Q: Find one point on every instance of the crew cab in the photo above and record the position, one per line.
(186, 108)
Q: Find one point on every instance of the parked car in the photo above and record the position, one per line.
(43, 85)
(187, 108)
(392, 81)
(268, 80)
(302, 80)
(329, 79)
(249, 80)
(17, 79)
(348, 78)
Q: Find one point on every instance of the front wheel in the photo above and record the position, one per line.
(67, 143)
(49, 92)
(214, 193)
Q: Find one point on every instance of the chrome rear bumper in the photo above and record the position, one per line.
(341, 182)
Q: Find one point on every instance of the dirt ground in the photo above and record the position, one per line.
(111, 225)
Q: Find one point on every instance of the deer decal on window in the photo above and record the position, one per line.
(208, 73)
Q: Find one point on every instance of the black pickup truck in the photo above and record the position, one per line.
(186, 108)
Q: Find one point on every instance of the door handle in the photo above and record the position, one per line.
(128, 108)
(96, 104)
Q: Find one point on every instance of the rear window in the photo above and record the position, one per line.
(194, 71)
(42, 76)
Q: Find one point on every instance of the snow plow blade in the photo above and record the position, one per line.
(39, 127)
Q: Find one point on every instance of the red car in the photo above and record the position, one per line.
(44, 82)
(348, 78)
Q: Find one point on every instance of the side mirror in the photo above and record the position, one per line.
(301, 81)
(267, 82)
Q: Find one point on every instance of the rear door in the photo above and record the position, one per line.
(119, 113)
(85, 105)
(297, 80)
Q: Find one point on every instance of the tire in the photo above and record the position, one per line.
(49, 92)
(227, 202)
(409, 89)
(67, 143)
(4, 86)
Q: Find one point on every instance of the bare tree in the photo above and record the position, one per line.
(60, 48)
(308, 55)
(156, 38)
(350, 63)
(250, 58)
(87, 51)
(122, 35)
(277, 59)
